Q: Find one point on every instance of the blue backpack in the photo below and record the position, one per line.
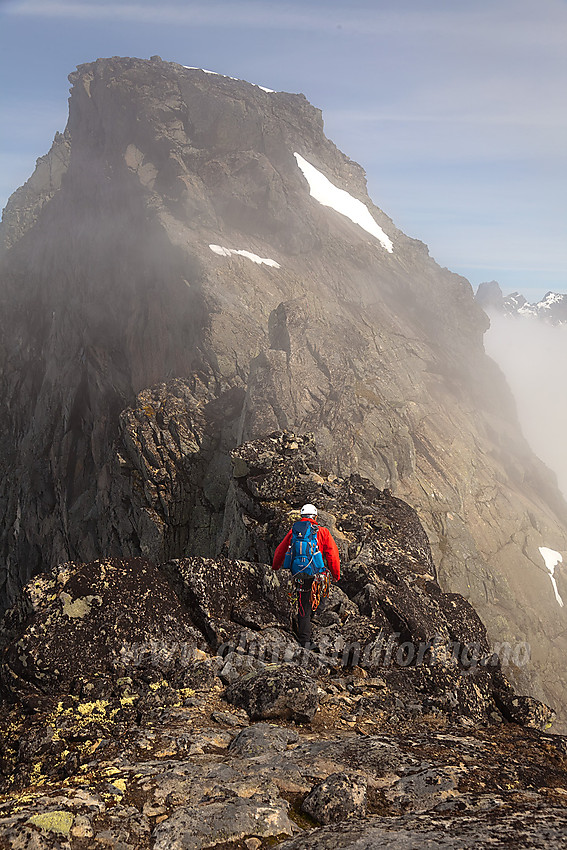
(303, 555)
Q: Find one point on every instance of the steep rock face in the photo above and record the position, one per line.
(134, 355)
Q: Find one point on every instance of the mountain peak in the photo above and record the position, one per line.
(174, 284)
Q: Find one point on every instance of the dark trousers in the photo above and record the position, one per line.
(304, 610)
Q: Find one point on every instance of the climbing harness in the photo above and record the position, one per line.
(319, 590)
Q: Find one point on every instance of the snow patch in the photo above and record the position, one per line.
(228, 252)
(551, 559)
(193, 68)
(528, 310)
(341, 201)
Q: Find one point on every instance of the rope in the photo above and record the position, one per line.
(307, 565)
(319, 589)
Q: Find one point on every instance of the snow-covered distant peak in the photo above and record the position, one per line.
(329, 195)
(229, 252)
(549, 300)
(216, 74)
(551, 309)
(551, 559)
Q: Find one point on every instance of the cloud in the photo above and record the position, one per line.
(215, 14)
(533, 357)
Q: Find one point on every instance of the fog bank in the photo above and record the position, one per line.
(533, 357)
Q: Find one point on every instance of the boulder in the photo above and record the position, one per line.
(262, 738)
(251, 651)
(525, 710)
(231, 820)
(339, 796)
(86, 621)
(283, 691)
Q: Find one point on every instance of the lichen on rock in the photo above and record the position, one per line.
(59, 822)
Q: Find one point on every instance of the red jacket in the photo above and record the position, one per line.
(326, 544)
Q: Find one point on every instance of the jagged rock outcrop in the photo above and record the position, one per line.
(388, 614)
(137, 737)
(170, 287)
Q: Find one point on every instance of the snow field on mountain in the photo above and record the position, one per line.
(229, 252)
(551, 559)
(329, 195)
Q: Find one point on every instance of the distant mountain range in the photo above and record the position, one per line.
(552, 308)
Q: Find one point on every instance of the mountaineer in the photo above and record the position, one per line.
(304, 550)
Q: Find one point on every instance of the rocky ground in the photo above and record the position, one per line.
(170, 706)
(193, 772)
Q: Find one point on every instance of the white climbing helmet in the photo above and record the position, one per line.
(308, 511)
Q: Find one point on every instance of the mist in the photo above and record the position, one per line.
(533, 356)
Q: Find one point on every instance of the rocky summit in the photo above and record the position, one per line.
(170, 706)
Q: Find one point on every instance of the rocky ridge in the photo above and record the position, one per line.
(552, 308)
(198, 721)
(171, 288)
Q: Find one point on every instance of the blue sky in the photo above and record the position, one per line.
(457, 109)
